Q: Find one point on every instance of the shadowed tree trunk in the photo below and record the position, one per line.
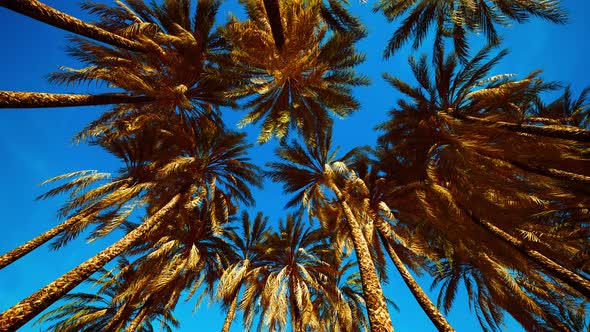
(373, 293)
(25, 310)
(41, 12)
(563, 132)
(136, 322)
(22, 250)
(574, 280)
(114, 323)
(14, 99)
(231, 313)
(273, 13)
(435, 316)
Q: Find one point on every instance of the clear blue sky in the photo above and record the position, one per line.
(36, 144)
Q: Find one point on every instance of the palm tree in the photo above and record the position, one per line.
(95, 311)
(467, 175)
(178, 74)
(108, 204)
(41, 12)
(371, 206)
(208, 157)
(455, 19)
(186, 254)
(245, 241)
(300, 85)
(307, 172)
(342, 307)
(333, 13)
(288, 274)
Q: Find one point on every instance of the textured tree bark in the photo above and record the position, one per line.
(25, 310)
(436, 317)
(574, 280)
(273, 12)
(563, 132)
(231, 313)
(41, 12)
(376, 306)
(15, 99)
(22, 250)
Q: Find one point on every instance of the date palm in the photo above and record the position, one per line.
(289, 272)
(299, 86)
(456, 18)
(245, 241)
(310, 173)
(94, 311)
(186, 254)
(106, 204)
(207, 157)
(332, 12)
(41, 12)
(370, 205)
(342, 307)
(178, 73)
(466, 174)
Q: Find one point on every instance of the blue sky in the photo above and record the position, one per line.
(36, 144)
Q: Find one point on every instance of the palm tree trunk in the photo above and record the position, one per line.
(113, 324)
(436, 317)
(15, 99)
(22, 312)
(22, 250)
(136, 322)
(41, 12)
(229, 318)
(574, 280)
(563, 132)
(376, 306)
(273, 12)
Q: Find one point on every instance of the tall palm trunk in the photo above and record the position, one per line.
(231, 313)
(22, 250)
(574, 280)
(15, 99)
(41, 12)
(563, 132)
(435, 316)
(373, 293)
(273, 13)
(22, 312)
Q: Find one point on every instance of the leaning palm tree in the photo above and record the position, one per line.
(289, 272)
(245, 241)
(186, 254)
(466, 174)
(370, 205)
(95, 311)
(456, 18)
(206, 156)
(299, 86)
(176, 75)
(107, 204)
(308, 172)
(41, 12)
